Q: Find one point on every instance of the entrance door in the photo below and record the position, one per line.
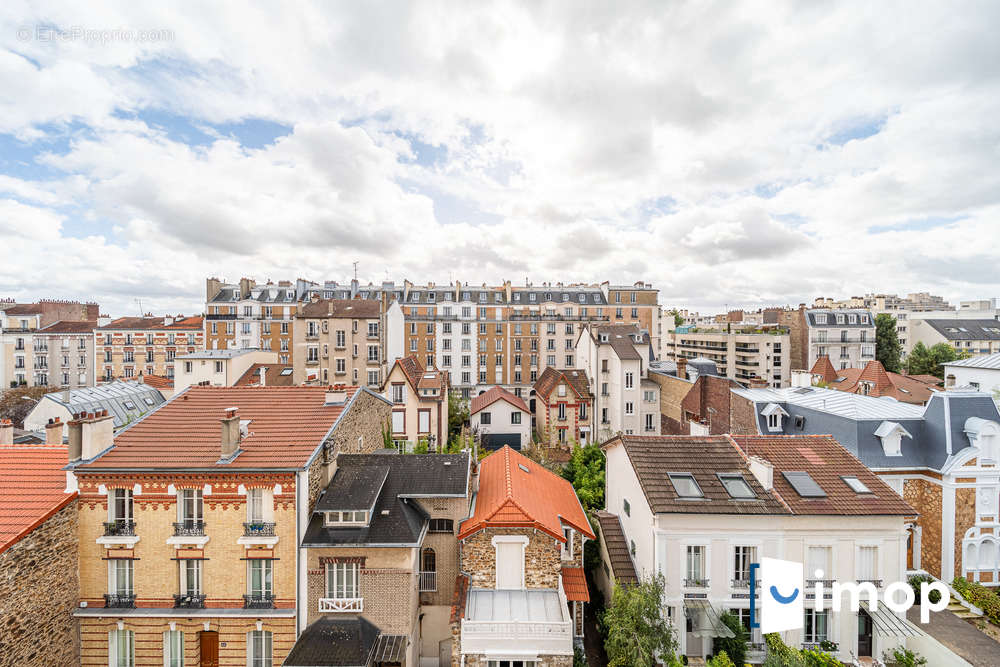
(209, 642)
(692, 641)
(864, 634)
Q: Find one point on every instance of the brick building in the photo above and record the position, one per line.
(188, 546)
(563, 409)
(419, 403)
(130, 347)
(338, 340)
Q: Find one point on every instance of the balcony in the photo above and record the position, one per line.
(119, 600)
(356, 605)
(743, 584)
(258, 529)
(189, 528)
(427, 582)
(189, 601)
(875, 582)
(258, 601)
(497, 620)
(119, 528)
(696, 583)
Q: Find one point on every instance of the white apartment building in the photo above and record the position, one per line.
(846, 336)
(616, 360)
(20, 362)
(981, 373)
(743, 356)
(219, 368)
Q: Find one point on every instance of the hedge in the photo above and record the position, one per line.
(979, 595)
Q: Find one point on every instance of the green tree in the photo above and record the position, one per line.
(928, 361)
(458, 414)
(887, 348)
(636, 630)
(585, 471)
(678, 318)
(735, 647)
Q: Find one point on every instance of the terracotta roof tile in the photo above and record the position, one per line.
(352, 308)
(574, 377)
(158, 381)
(33, 484)
(617, 547)
(824, 368)
(493, 395)
(273, 377)
(575, 584)
(69, 326)
(904, 388)
(153, 324)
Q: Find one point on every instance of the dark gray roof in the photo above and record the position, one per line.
(398, 518)
(125, 401)
(335, 642)
(966, 329)
(703, 366)
(831, 318)
(353, 488)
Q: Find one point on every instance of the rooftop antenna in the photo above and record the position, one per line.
(139, 301)
(355, 270)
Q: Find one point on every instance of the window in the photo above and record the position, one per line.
(695, 564)
(626, 507)
(190, 507)
(512, 663)
(567, 547)
(867, 563)
(173, 648)
(515, 418)
(856, 485)
(743, 557)
(629, 408)
(346, 517)
(190, 575)
(259, 648)
(685, 485)
(484, 417)
(737, 487)
(259, 578)
(120, 577)
(774, 421)
(629, 380)
(649, 422)
(818, 561)
(583, 411)
(341, 338)
(121, 648)
(816, 626)
(398, 421)
(255, 505)
(342, 580)
(562, 411)
(120, 505)
(398, 393)
(649, 396)
(442, 526)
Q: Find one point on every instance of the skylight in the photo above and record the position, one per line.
(804, 485)
(736, 486)
(523, 467)
(685, 485)
(856, 485)
(286, 371)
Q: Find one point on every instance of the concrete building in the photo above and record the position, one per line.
(70, 348)
(980, 373)
(31, 358)
(847, 336)
(219, 368)
(338, 340)
(126, 402)
(129, 347)
(616, 360)
(419, 404)
(748, 356)
(500, 418)
(974, 337)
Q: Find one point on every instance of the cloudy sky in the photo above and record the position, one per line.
(730, 153)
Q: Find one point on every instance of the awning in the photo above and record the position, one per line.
(706, 619)
(575, 584)
(388, 648)
(887, 623)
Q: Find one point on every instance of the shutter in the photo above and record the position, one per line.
(398, 418)
(510, 565)
(425, 422)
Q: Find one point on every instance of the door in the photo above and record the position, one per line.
(909, 549)
(510, 565)
(209, 642)
(864, 634)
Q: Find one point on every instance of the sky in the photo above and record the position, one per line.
(732, 154)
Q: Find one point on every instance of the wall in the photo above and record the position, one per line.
(203, 369)
(542, 562)
(925, 497)
(39, 588)
(965, 518)
(672, 393)
(500, 415)
(622, 484)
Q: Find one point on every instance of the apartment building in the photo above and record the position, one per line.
(973, 337)
(507, 335)
(419, 404)
(381, 561)
(521, 593)
(616, 359)
(847, 336)
(219, 368)
(872, 380)
(28, 358)
(188, 548)
(749, 356)
(703, 509)
(64, 350)
(130, 347)
(337, 340)
(563, 408)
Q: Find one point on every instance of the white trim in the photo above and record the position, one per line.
(509, 539)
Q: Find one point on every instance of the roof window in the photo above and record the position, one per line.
(856, 485)
(685, 485)
(737, 487)
(803, 484)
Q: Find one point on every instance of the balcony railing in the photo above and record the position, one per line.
(826, 582)
(189, 601)
(877, 582)
(119, 600)
(427, 582)
(189, 528)
(258, 529)
(696, 583)
(258, 601)
(825, 645)
(743, 583)
(119, 527)
(539, 635)
(341, 604)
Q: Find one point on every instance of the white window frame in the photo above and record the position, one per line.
(260, 648)
(189, 566)
(173, 648)
(115, 659)
(349, 590)
(508, 539)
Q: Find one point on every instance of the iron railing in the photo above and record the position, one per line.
(258, 529)
(188, 528)
(119, 600)
(189, 601)
(119, 527)
(258, 601)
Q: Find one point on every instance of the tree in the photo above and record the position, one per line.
(928, 361)
(636, 629)
(458, 414)
(735, 647)
(887, 348)
(585, 471)
(678, 318)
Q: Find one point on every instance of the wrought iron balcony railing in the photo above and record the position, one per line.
(258, 529)
(188, 528)
(189, 601)
(258, 601)
(119, 600)
(119, 527)
(696, 583)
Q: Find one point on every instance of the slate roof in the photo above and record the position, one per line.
(341, 308)
(831, 318)
(574, 377)
(333, 641)
(275, 376)
(494, 394)
(286, 426)
(827, 462)
(620, 339)
(398, 518)
(514, 491)
(622, 566)
(68, 327)
(966, 329)
(125, 401)
(704, 457)
(991, 361)
(33, 483)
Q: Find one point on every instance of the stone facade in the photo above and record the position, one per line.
(38, 592)
(542, 561)
(965, 518)
(474, 660)
(925, 497)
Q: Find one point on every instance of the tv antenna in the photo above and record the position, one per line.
(355, 270)
(139, 302)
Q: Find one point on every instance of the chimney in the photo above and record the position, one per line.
(90, 434)
(54, 432)
(682, 365)
(335, 395)
(263, 376)
(6, 432)
(230, 433)
(763, 470)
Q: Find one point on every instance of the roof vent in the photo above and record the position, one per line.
(385, 512)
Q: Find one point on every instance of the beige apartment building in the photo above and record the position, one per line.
(30, 358)
(130, 347)
(761, 359)
(338, 341)
(219, 368)
(66, 351)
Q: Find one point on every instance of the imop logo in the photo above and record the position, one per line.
(778, 606)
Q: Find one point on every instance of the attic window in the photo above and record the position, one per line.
(286, 371)
(147, 400)
(737, 487)
(856, 485)
(129, 405)
(346, 518)
(804, 485)
(523, 467)
(685, 485)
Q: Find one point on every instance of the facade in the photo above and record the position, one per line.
(129, 347)
(847, 336)
(337, 340)
(747, 357)
(219, 368)
(874, 380)
(980, 373)
(616, 359)
(419, 404)
(188, 546)
(563, 409)
(40, 344)
(973, 337)
(521, 592)
(38, 553)
(500, 419)
(125, 402)
(380, 552)
(66, 351)
(702, 509)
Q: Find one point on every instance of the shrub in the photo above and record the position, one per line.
(980, 596)
(735, 648)
(903, 657)
(780, 654)
(814, 658)
(915, 582)
(720, 660)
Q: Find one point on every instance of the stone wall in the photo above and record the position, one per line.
(474, 660)
(925, 497)
(965, 518)
(39, 589)
(542, 561)
(445, 546)
(742, 416)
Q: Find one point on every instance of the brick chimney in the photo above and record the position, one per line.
(6, 432)
(54, 432)
(90, 434)
(335, 395)
(230, 432)
(682, 365)
(263, 374)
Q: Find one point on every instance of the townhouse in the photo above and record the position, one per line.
(132, 346)
(419, 404)
(873, 380)
(499, 418)
(520, 597)
(616, 360)
(746, 355)
(188, 548)
(125, 402)
(563, 407)
(337, 340)
(702, 509)
(980, 373)
(381, 561)
(847, 336)
(220, 368)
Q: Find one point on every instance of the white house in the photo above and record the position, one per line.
(220, 368)
(501, 418)
(980, 373)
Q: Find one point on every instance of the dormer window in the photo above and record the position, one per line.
(840, 318)
(821, 318)
(891, 434)
(346, 518)
(773, 413)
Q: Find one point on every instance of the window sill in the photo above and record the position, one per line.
(267, 541)
(127, 541)
(181, 540)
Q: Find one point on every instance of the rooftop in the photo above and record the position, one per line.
(33, 483)
(874, 380)
(855, 406)
(276, 375)
(617, 547)
(219, 354)
(125, 401)
(342, 308)
(991, 361)
(334, 641)
(69, 327)
(153, 324)
(966, 329)
(494, 394)
(574, 377)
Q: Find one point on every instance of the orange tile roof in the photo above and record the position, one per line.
(574, 377)
(904, 388)
(69, 326)
(824, 368)
(33, 484)
(287, 424)
(575, 584)
(272, 377)
(511, 497)
(158, 381)
(153, 323)
(493, 395)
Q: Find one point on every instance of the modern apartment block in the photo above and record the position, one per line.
(129, 347)
(847, 336)
(338, 341)
(751, 358)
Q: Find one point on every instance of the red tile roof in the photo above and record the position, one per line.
(575, 584)
(69, 326)
(617, 547)
(824, 368)
(514, 491)
(574, 377)
(287, 424)
(153, 323)
(493, 395)
(904, 388)
(33, 484)
(272, 377)
(158, 381)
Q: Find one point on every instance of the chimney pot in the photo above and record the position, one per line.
(230, 432)
(6, 432)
